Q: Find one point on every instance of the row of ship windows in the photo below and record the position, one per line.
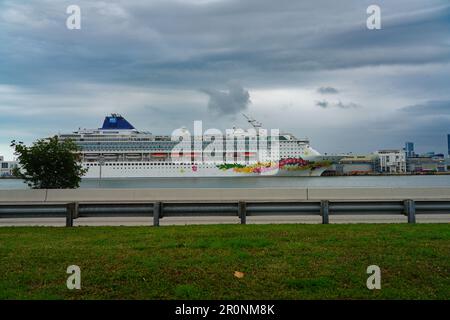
(185, 165)
(168, 140)
(177, 167)
(166, 145)
(181, 143)
(138, 164)
(142, 164)
(107, 150)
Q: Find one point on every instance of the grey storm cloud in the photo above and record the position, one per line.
(131, 54)
(429, 108)
(230, 101)
(323, 104)
(426, 124)
(193, 43)
(327, 90)
(349, 105)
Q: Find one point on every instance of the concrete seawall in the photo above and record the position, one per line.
(224, 194)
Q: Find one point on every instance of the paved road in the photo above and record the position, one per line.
(219, 220)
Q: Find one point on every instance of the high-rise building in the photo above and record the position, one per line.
(409, 149)
(448, 144)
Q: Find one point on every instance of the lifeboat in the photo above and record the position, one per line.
(91, 155)
(109, 156)
(159, 154)
(187, 154)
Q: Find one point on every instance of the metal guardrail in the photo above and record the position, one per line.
(241, 210)
(33, 210)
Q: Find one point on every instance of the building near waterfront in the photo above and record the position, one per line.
(409, 149)
(6, 167)
(430, 154)
(426, 164)
(391, 161)
(357, 164)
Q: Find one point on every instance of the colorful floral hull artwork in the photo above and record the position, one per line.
(290, 164)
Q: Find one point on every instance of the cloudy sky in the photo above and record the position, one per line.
(307, 67)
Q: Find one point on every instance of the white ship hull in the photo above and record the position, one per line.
(196, 172)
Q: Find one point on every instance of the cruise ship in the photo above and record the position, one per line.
(118, 150)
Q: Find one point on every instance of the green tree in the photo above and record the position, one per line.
(49, 164)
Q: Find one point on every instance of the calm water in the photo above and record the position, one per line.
(252, 182)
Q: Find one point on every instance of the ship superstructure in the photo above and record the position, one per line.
(118, 150)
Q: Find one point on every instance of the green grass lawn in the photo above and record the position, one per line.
(198, 262)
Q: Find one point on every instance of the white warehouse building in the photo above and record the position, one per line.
(391, 161)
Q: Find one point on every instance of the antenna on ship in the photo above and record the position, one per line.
(255, 124)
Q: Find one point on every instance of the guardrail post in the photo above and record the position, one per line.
(76, 211)
(324, 211)
(71, 213)
(410, 210)
(156, 213)
(242, 212)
